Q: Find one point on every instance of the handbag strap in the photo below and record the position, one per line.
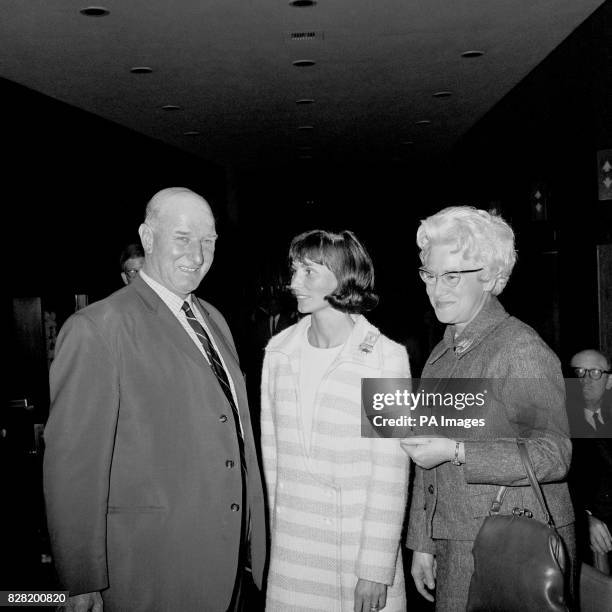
(497, 502)
(535, 485)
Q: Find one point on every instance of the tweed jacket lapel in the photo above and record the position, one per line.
(491, 315)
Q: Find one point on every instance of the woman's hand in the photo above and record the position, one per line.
(424, 573)
(429, 452)
(370, 596)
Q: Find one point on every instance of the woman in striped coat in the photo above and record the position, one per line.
(336, 499)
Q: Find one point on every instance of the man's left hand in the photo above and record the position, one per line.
(429, 452)
(370, 596)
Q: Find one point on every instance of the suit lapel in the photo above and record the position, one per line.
(176, 334)
(181, 339)
(230, 359)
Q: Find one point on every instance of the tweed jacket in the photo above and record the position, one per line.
(526, 401)
(143, 496)
(336, 514)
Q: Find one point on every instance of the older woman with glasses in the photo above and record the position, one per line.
(467, 257)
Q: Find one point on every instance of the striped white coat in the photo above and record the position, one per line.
(336, 514)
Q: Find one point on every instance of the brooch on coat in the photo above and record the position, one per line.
(368, 342)
(463, 345)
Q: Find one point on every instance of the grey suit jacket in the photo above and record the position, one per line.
(142, 471)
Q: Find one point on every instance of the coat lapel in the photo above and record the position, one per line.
(360, 349)
(176, 334)
(230, 359)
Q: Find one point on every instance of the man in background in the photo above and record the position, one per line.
(152, 485)
(131, 260)
(590, 415)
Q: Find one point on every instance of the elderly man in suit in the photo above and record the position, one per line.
(153, 489)
(590, 413)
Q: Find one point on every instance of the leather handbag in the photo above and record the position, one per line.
(519, 562)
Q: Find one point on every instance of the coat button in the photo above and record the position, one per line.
(235, 507)
(431, 489)
(229, 464)
(223, 418)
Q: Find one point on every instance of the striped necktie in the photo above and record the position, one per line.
(220, 373)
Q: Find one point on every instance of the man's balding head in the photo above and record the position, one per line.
(592, 357)
(178, 237)
(165, 197)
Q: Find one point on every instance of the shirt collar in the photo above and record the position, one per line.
(171, 300)
(593, 417)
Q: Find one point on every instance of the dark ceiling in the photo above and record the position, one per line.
(388, 81)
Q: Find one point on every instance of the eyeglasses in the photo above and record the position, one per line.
(594, 373)
(450, 279)
(131, 272)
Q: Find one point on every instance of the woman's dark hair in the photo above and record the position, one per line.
(346, 257)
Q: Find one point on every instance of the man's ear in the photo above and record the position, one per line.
(146, 237)
(124, 277)
(609, 382)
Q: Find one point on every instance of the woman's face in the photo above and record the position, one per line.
(455, 305)
(310, 283)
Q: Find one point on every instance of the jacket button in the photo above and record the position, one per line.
(431, 489)
(223, 418)
(235, 507)
(229, 464)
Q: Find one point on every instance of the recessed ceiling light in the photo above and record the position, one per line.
(423, 122)
(141, 70)
(303, 63)
(191, 133)
(305, 101)
(301, 3)
(303, 35)
(442, 94)
(306, 127)
(407, 143)
(305, 157)
(94, 11)
(304, 149)
(171, 107)
(472, 53)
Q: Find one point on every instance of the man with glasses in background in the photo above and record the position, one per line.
(131, 260)
(590, 415)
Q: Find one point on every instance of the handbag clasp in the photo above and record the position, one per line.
(522, 512)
